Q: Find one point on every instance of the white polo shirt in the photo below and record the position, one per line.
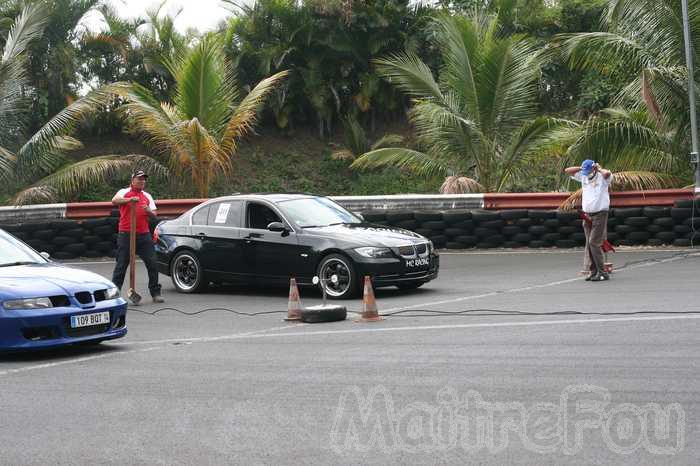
(595, 192)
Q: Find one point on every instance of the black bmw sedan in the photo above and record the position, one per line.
(269, 238)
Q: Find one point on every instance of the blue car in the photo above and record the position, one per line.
(44, 304)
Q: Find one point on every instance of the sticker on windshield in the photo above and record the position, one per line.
(222, 213)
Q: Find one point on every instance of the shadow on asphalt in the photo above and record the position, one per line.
(57, 354)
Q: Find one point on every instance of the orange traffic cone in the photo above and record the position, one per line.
(369, 305)
(294, 306)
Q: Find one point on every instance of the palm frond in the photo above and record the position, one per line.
(28, 26)
(407, 72)
(42, 147)
(246, 112)
(388, 140)
(417, 162)
(75, 177)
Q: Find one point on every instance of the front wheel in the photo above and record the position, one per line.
(345, 285)
(186, 273)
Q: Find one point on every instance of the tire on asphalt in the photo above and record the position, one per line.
(329, 314)
(187, 259)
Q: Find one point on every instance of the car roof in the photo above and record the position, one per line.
(271, 197)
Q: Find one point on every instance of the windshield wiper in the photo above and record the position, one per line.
(12, 264)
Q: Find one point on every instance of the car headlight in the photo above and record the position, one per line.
(375, 253)
(30, 303)
(112, 293)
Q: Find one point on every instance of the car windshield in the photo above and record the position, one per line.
(316, 212)
(15, 252)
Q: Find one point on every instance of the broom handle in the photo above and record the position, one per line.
(132, 247)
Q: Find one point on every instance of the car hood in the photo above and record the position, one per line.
(368, 234)
(41, 280)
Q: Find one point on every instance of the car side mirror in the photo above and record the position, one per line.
(277, 227)
(45, 255)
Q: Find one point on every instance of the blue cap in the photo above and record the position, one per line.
(587, 167)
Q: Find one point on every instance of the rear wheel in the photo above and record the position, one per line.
(186, 273)
(345, 284)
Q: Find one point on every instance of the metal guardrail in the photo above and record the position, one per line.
(14, 214)
(662, 197)
(412, 202)
(495, 201)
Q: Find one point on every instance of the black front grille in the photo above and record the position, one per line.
(84, 297)
(100, 295)
(85, 331)
(40, 333)
(60, 301)
(407, 251)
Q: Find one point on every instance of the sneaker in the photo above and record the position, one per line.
(590, 276)
(601, 277)
(158, 300)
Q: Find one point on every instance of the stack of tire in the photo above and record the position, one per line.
(656, 226)
(68, 239)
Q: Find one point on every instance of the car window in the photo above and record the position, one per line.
(14, 251)
(201, 216)
(225, 214)
(259, 216)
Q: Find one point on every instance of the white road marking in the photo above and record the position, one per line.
(533, 287)
(73, 361)
(204, 339)
(479, 325)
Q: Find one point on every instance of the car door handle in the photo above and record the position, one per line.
(253, 236)
(201, 235)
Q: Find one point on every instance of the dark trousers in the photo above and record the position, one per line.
(596, 233)
(146, 251)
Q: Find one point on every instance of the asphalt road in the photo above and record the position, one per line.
(513, 388)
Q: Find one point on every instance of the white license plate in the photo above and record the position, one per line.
(415, 263)
(87, 320)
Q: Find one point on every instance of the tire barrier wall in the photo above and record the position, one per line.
(448, 228)
(528, 228)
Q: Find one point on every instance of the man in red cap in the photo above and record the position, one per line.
(145, 208)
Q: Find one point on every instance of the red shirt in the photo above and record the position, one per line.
(145, 199)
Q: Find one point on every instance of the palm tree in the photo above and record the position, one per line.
(477, 123)
(196, 135)
(647, 130)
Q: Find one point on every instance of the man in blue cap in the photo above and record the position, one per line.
(595, 182)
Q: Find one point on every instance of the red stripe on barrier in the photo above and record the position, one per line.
(493, 201)
(662, 197)
(166, 208)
